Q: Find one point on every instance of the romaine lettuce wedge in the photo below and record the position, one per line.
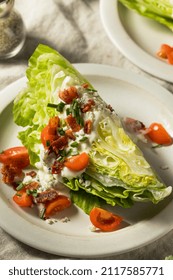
(118, 173)
(159, 10)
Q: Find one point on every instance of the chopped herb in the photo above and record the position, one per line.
(48, 143)
(68, 111)
(62, 122)
(61, 131)
(74, 144)
(92, 89)
(32, 192)
(62, 153)
(18, 194)
(83, 139)
(69, 152)
(76, 112)
(60, 159)
(51, 105)
(59, 107)
(42, 212)
(157, 146)
(20, 187)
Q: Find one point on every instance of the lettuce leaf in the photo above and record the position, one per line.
(118, 173)
(85, 201)
(47, 72)
(159, 10)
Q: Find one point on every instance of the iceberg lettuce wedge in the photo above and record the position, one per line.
(46, 73)
(118, 173)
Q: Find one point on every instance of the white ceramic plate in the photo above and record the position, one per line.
(130, 95)
(137, 37)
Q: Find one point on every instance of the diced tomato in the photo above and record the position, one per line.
(170, 57)
(49, 132)
(16, 156)
(58, 204)
(46, 136)
(158, 134)
(78, 162)
(166, 52)
(23, 199)
(104, 220)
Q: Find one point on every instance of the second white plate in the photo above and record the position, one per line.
(137, 37)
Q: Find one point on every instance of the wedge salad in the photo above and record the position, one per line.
(159, 10)
(71, 136)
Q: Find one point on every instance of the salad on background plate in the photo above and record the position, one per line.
(71, 136)
(159, 10)
(139, 29)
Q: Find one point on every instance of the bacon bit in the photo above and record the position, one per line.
(54, 121)
(70, 134)
(71, 121)
(110, 108)
(46, 196)
(53, 124)
(134, 125)
(57, 167)
(87, 106)
(59, 144)
(85, 85)
(31, 173)
(9, 173)
(88, 126)
(67, 95)
(32, 186)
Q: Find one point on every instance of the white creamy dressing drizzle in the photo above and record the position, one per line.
(44, 175)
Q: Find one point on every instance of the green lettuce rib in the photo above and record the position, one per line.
(159, 10)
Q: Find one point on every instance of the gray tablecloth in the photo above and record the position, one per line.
(74, 28)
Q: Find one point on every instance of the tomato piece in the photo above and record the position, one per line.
(164, 51)
(49, 132)
(16, 156)
(58, 204)
(104, 220)
(170, 57)
(158, 134)
(23, 199)
(78, 162)
(47, 136)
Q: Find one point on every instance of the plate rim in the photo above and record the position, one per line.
(78, 242)
(150, 64)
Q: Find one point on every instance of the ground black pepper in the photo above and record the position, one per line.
(12, 31)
